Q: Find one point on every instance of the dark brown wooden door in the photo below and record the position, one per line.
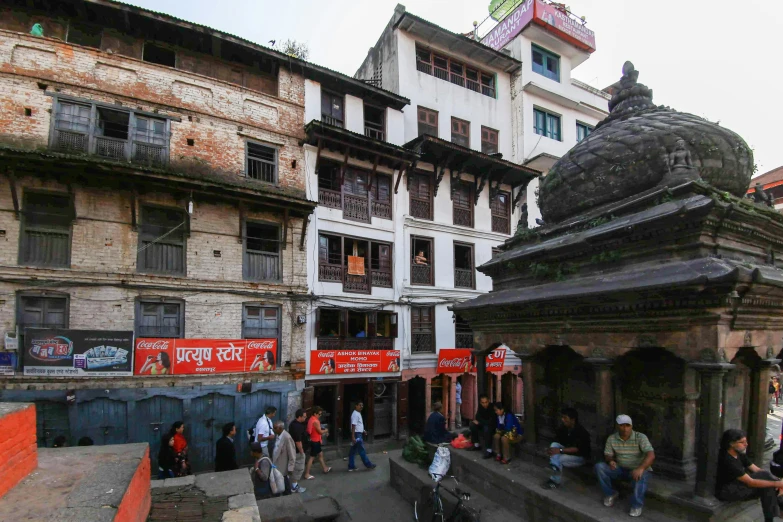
(308, 395)
(402, 406)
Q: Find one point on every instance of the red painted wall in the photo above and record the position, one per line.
(18, 448)
(135, 505)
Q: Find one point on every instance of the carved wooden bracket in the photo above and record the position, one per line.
(439, 172)
(454, 178)
(14, 195)
(518, 197)
(493, 191)
(305, 222)
(480, 187)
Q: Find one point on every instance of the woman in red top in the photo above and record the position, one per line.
(182, 466)
(316, 434)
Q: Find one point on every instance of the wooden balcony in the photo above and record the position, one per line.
(422, 275)
(356, 208)
(463, 278)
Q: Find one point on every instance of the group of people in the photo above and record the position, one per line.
(173, 454)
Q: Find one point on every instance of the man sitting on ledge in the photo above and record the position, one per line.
(740, 479)
(570, 449)
(482, 426)
(435, 431)
(629, 456)
(508, 432)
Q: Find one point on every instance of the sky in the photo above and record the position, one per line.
(716, 59)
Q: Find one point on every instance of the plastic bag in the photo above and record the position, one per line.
(440, 464)
(460, 442)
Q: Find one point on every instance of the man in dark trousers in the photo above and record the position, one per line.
(225, 452)
(482, 427)
(570, 449)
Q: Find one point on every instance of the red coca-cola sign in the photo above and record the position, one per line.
(204, 356)
(152, 344)
(462, 360)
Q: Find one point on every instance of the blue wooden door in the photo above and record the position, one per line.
(253, 406)
(51, 421)
(104, 420)
(208, 414)
(154, 417)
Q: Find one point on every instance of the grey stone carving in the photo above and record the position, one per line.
(523, 216)
(761, 197)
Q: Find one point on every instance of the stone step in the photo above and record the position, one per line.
(412, 481)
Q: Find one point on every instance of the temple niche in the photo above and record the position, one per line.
(653, 289)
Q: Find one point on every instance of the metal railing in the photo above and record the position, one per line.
(444, 74)
(456, 79)
(463, 278)
(424, 67)
(261, 170)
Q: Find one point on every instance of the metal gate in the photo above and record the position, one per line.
(252, 408)
(51, 421)
(208, 413)
(154, 419)
(104, 420)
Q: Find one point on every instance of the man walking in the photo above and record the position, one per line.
(571, 447)
(297, 430)
(284, 454)
(482, 427)
(225, 452)
(265, 433)
(357, 439)
(628, 456)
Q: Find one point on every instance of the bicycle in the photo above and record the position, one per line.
(430, 509)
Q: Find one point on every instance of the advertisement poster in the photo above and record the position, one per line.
(461, 360)
(201, 356)
(571, 29)
(510, 26)
(77, 353)
(7, 363)
(325, 362)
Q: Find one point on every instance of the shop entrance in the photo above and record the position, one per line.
(417, 390)
(325, 396)
(383, 404)
(353, 393)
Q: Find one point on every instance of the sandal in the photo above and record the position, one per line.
(328, 470)
(310, 477)
(550, 485)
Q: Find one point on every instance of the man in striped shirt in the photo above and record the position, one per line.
(628, 455)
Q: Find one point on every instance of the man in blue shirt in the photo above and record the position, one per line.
(435, 430)
(508, 431)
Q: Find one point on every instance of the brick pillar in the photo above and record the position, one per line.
(604, 396)
(453, 404)
(530, 398)
(710, 401)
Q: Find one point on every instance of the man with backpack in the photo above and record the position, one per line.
(298, 431)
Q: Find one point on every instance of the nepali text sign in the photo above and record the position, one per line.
(461, 360)
(510, 26)
(204, 356)
(563, 25)
(77, 353)
(325, 362)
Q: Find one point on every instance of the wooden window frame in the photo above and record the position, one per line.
(472, 248)
(344, 266)
(460, 125)
(547, 131)
(415, 197)
(270, 224)
(275, 165)
(424, 110)
(142, 300)
(431, 259)
(266, 306)
(332, 119)
(372, 130)
(462, 184)
(433, 330)
(141, 237)
(507, 215)
(456, 72)
(486, 144)
(25, 227)
(547, 56)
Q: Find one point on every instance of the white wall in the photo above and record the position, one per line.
(354, 114)
(395, 126)
(312, 101)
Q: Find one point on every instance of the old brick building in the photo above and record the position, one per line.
(151, 180)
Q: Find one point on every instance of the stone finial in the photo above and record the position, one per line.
(722, 356)
(631, 97)
(770, 352)
(761, 197)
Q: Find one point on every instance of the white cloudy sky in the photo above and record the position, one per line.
(717, 59)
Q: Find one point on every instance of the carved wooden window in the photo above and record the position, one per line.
(428, 121)
(422, 261)
(489, 140)
(462, 204)
(501, 215)
(464, 266)
(422, 329)
(421, 196)
(460, 132)
(463, 334)
(332, 109)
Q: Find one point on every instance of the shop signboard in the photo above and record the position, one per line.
(77, 353)
(462, 360)
(7, 363)
(204, 356)
(326, 362)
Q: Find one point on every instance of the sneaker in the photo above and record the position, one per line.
(300, 489)
(351, 469)
(550, 484)
(609, 501)
(372, 466)
(487, 454)
(636, 512)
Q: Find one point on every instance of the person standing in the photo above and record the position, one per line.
(776, 382)
(297, 430)
(357, 439)
(316, 434)
(458, 400)
(739, 479)
(629, 456)
(182, 466)
(571, 447)
(771, 392)
(167, 459)
(225, 452)
(284, 454)
(482, 427)
(265, 434)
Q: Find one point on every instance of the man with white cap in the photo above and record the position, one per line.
(628, 456)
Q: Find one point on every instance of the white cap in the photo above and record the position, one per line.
(624, 419)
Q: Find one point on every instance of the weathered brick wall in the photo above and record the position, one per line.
(18, 447)
(218, 116)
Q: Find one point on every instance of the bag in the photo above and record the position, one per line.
(440, 464)
(306, 441)
(460, 442)
(251, 433)
(275, 479)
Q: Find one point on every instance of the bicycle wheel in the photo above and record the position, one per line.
(428, 508)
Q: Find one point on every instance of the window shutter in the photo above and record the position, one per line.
(393, 322)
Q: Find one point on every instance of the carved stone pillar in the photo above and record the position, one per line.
(710, 429)
(453, 403)
(498, 378)
(481, 372)
(528, 381)
(604, 401)
(757, 421)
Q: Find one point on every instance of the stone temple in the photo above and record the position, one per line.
(653, 289)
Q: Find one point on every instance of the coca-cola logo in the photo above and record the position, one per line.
(458, 362)
(266, 344)
(152, 345)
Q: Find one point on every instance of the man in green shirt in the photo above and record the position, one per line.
(628, 455)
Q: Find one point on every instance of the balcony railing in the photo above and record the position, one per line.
(457, 80)
(421, 208)
(381, 210)
(374, 131)
(354, 343)
(330, 273)
(463, 278)
(487, 90)
(332, 121)
(444, 74)
(473, 85)
(112, 148)
(421, 274)
(501, 224)
(422, 343)
(356, 208)
(464, 340)
(463, 217)
(330, 198)
(356, 283)
(379, 278)
(424, 67)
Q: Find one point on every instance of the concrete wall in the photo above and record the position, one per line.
(354, 114)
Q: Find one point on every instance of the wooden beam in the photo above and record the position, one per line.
(343, 165)
(305, 221)
(399, 177)
(480, 187)
(14, 195)
(439, 172)
(372, 174)
(241, 238)
(318, 154)
(390, 157)
(285, 228)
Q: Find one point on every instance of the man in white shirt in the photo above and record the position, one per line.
(265, 431)
(357, 439)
